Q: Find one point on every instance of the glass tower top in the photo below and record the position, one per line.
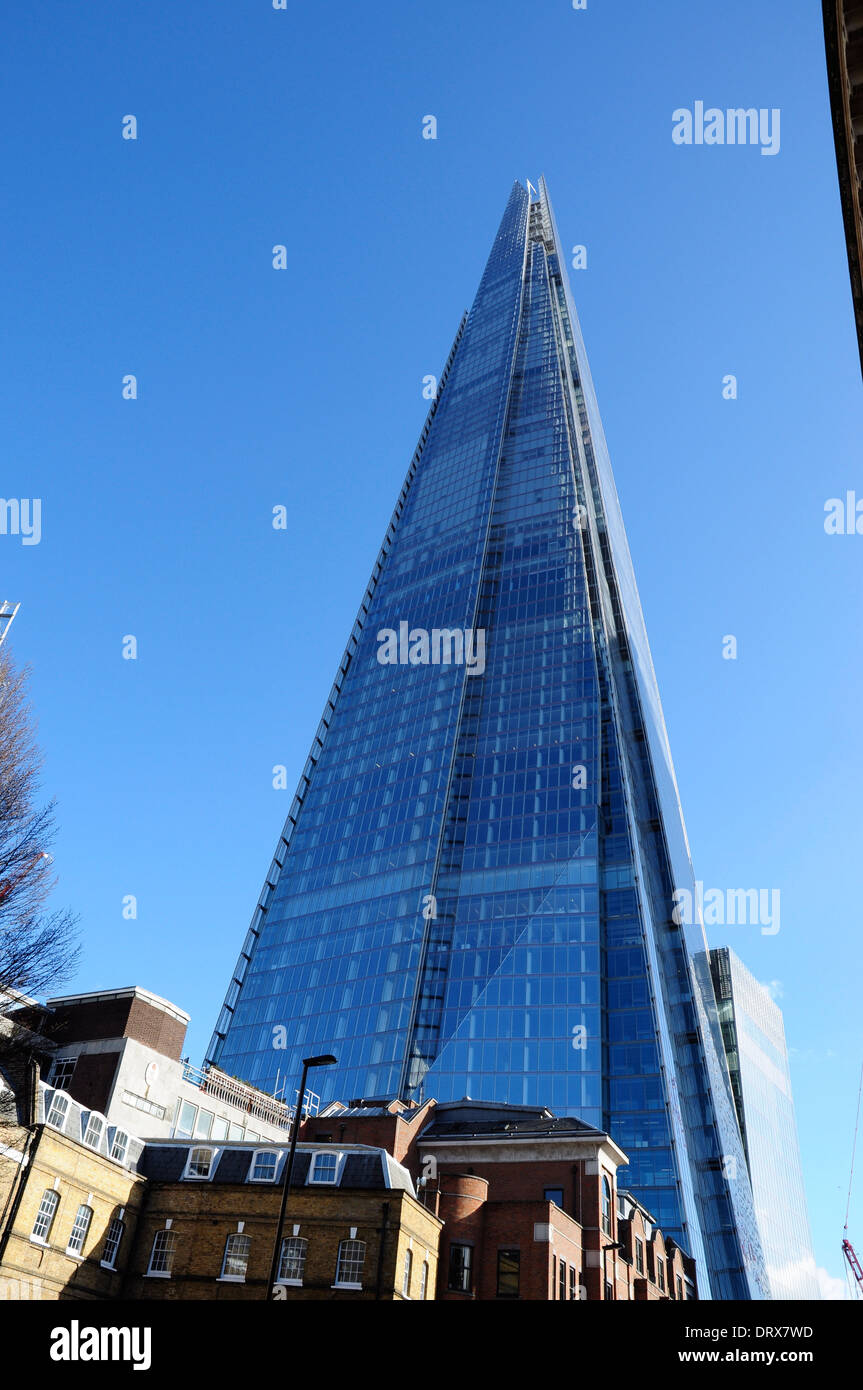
(473, 892)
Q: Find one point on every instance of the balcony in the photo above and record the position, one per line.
(249, 1099)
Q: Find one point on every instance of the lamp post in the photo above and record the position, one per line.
(308, 1062)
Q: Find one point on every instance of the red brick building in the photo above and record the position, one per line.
(529, 1201)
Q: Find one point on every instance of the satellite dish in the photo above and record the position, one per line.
(151, 1073)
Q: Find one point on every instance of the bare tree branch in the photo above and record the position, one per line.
(38, 948)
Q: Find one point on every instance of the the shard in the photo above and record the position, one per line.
(473, 894)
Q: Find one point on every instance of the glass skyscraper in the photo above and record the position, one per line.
(473, 891)
(754, 1038)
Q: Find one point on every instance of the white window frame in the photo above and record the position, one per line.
(115, 1144)
(283, 1279)
(171, 1244)
(264, 1153)
(85, 1222)
(61, 1100)
(51, 1214)
(111, 1263)
(312, 1181)
(59, 1062)
(95, 1123)
(407, 1273)
(424, 1280)
(246, 1244)
(347, 1283)
(188, 1175)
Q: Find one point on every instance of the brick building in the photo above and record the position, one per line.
(843, 39)
(120, 1052)
(70, 1196)
(354, 1231)
(390, 1200)
(529, 1201)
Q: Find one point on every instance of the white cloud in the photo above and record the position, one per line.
(831, 1287)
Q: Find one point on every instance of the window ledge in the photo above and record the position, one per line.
(37, 1240)
(295, 1283)
(156, 1274)
(345, 1286)
(231, 1279)
(104, 1265)
(74, 1255)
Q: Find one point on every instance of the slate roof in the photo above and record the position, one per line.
(363, 1167)
(474, 1119)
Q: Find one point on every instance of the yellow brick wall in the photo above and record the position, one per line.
(203, 1215)
(76, 1173)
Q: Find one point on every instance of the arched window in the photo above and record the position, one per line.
(94, 1131)
(59, 1110)
(80, 1227)
(325, 1167)
(264, 1167)
(406, 1278)
(292, 1261)
(162, 1254)
(120, 1146)
(200, 1163)
(112, 1242)
(352, 1257)
(606, 1206)
(236, 1260)
(424, 1280)
(45, 1216)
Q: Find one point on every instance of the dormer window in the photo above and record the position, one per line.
(264, 1167)
(120, 1146)
(200, 1164)
(94, 1131)
(59, 1110)
(325, 1167)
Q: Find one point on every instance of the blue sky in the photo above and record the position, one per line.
(304, 388)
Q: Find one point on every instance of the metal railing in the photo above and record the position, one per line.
(249, 1099)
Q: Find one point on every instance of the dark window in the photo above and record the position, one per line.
(573, 1289)
(639, 1256)
(561, 1280)
(323, 1138)
(508, 1267)
(609, 1289)
(606, 1206)
(660, 1273)
(554, 1194)
(460, 1259)
(679, 1282)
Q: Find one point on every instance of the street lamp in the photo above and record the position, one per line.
(325, 1061)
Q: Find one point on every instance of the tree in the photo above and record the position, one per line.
(38, 947)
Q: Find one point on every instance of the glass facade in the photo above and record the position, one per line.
(473, 892)
(754, 1036)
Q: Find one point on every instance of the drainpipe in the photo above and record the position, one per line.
(34, 1134)
(385, 1217)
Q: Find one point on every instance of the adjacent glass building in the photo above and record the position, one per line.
(754, 1036)
(473, 892)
